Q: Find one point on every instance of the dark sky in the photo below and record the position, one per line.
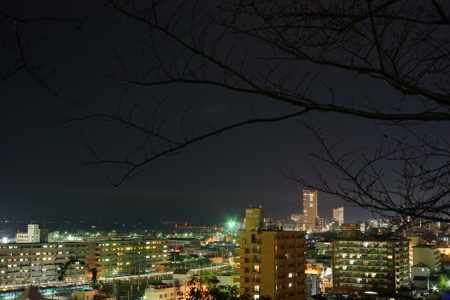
(41, 176)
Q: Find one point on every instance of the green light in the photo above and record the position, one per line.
(231, 224)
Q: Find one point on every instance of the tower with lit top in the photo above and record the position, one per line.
(310, 208)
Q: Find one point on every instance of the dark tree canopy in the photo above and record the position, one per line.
(282, 51)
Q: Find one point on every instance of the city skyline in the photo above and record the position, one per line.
(20, 225)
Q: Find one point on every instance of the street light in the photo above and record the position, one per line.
(231, 224)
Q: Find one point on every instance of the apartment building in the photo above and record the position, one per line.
(41, 263)
(271, 262)
(428, 255)
(124, 256)
(368, 265)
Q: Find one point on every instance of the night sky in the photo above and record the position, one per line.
(41, 176)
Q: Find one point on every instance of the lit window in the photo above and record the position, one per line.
(290, 275)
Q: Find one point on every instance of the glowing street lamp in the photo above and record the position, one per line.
(231, 224)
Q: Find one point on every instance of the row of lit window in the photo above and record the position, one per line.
(153, 256)
(37, 246)
(116, 244)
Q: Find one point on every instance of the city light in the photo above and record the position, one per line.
(231, 224)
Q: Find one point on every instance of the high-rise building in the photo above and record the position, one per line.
(369, 265)
(271, 262)
(310, 208)
(338, 215)
(319, 224)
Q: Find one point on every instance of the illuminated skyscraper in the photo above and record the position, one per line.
(338, 215)
(310, 208)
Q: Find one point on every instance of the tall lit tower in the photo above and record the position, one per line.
(338, 215)
(310, 208)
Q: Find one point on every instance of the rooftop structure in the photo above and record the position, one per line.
(33, 235)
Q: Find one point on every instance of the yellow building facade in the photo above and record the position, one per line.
(271, 262)
(254, 218)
